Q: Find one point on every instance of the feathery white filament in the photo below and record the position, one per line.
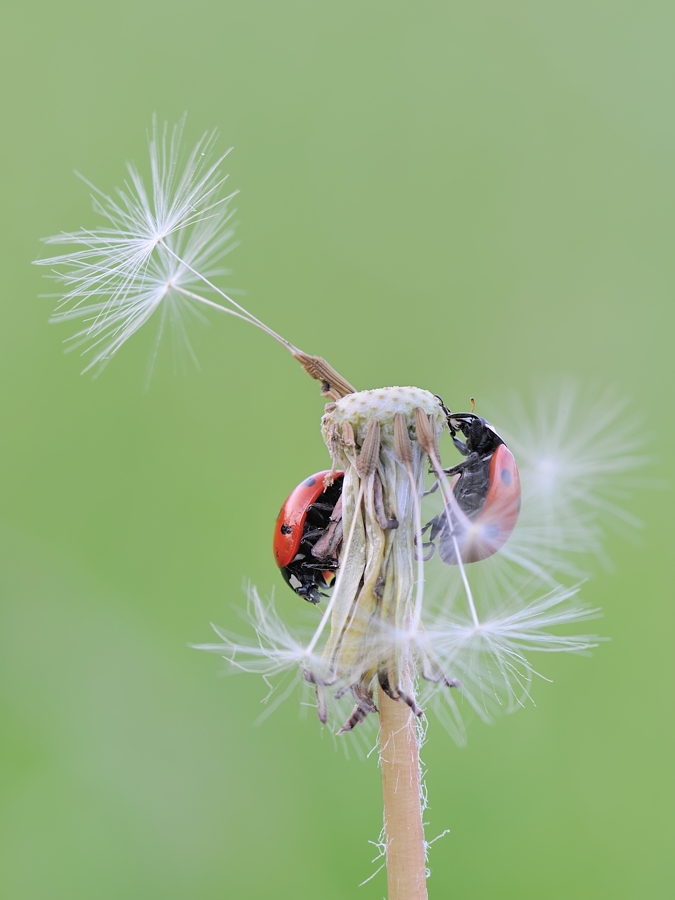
(156, 251)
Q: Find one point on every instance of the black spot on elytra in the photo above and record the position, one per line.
(506, 477)
(286, 529)
(309, 482)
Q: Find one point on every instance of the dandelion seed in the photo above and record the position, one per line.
(145, 258)
(574, 456)
(158, 253)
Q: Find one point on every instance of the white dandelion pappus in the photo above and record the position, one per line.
(491, 657)
(575, 456)
(155, 251)
(276, 648)
(286, 661)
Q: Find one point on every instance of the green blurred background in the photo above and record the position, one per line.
(469, 197)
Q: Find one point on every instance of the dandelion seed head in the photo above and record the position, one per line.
(383, 404)
(472, 632)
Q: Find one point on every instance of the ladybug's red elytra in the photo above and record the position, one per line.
(483, 510)
(308, 534)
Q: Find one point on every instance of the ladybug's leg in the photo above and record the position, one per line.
(312, 533)
(329, 543)
(310, 592)
(432, 489)
(430, 549)
(427, 546)
(321, 507)
(461, 446)
(453, 470)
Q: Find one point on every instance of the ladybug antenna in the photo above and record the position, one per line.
(473, 404)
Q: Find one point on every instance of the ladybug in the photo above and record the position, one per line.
(486, 488)
(308, 535)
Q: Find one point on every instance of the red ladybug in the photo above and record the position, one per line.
(308, 535)
(486, 488)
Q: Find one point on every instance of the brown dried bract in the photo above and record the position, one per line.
(426, 434)
(348, 439)
(365, 704)
(333, 385)
(366, 463)
(402, 442)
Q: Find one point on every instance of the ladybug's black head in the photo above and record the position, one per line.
(480, 437)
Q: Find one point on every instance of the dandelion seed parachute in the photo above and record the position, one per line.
(155, 252)
(575, 452)
(147, 255)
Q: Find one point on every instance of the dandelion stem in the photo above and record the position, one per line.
(212, 304)
(399, 761)
(334, 386)
(249, 317)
